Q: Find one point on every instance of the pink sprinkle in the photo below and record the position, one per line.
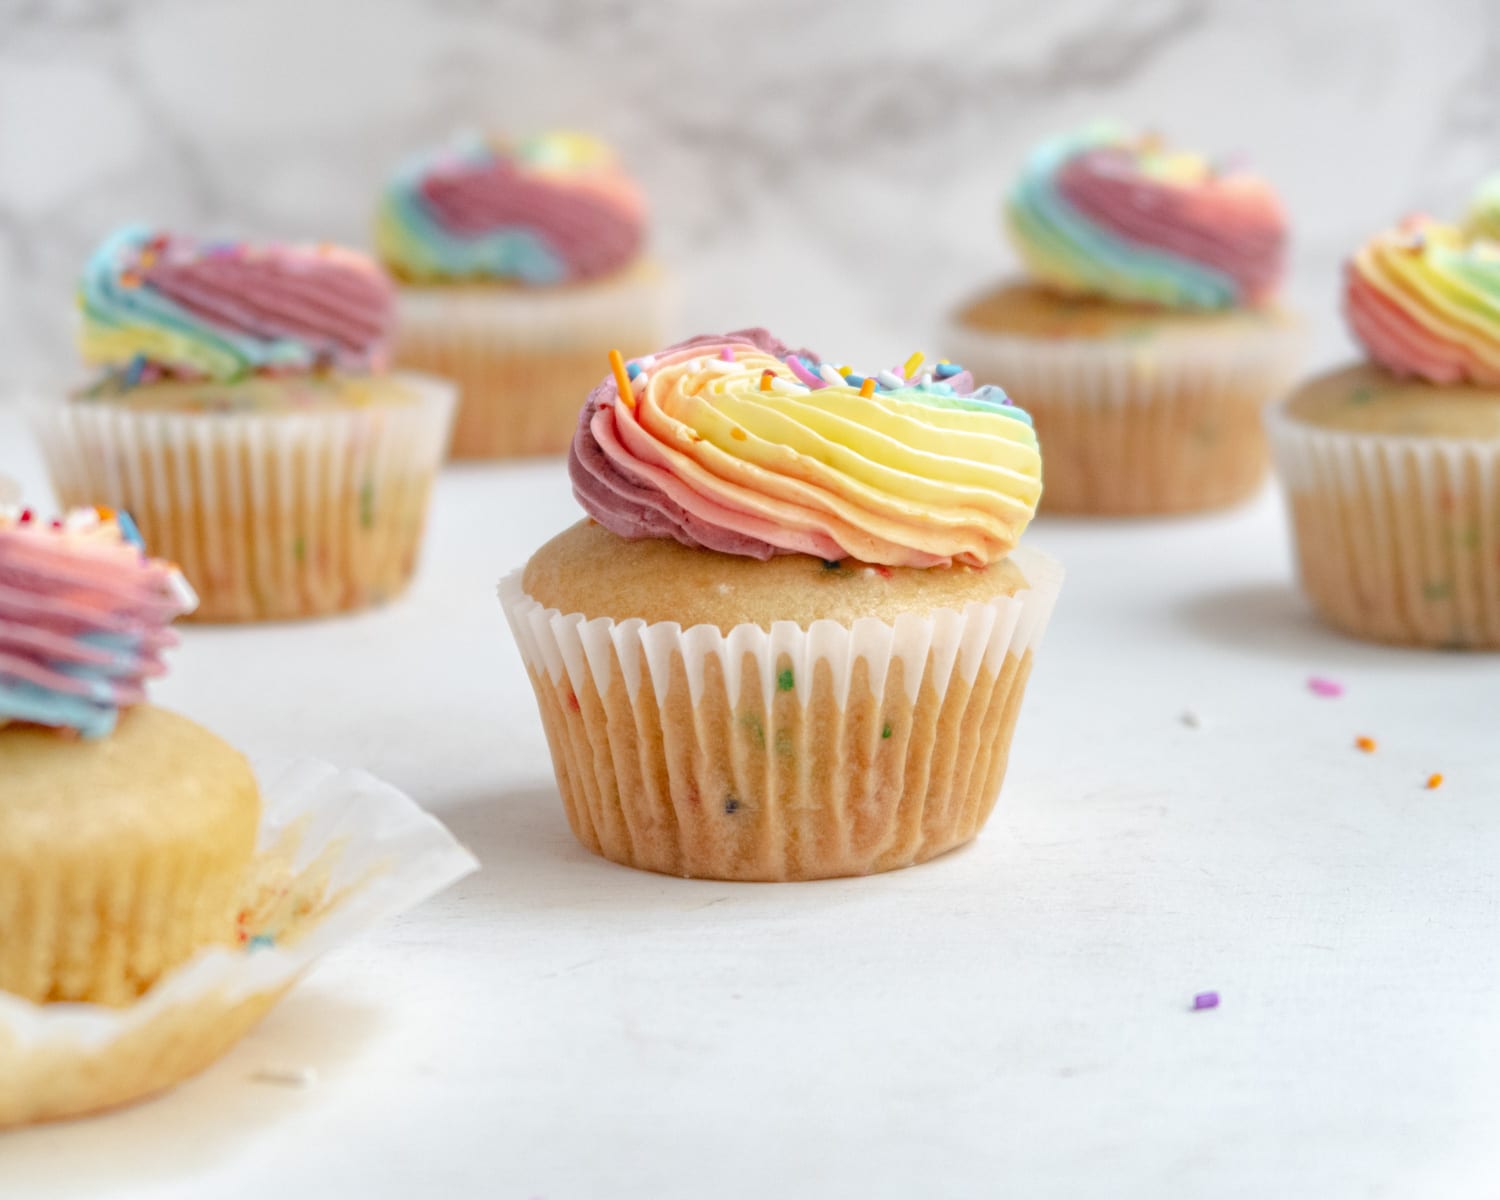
(1205, 1000)
(1319, 686)
(803, 374)
(726, 353)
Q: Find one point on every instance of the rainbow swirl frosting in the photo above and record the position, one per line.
(1425, 301)
(1103, 213)
(737, 444)
(556, 208)
(83, 619)
(157, 304)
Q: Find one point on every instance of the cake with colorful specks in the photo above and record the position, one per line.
(792, 637)
(1147, 340)
(124, 829)
(243, 415)
(1392, 466)
(521, 264)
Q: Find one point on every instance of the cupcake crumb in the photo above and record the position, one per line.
(284, 1076)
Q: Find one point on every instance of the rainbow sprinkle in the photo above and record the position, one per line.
(1320, 686)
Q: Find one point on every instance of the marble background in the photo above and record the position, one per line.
(830, 169)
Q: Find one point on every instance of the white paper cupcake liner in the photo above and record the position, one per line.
(339, 851)
(1166, 424)
(786, 753)
(524, 359)
(283, 514)
(1397, 538)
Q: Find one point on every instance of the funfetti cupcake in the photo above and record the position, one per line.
(521, 265)
(792, 638)
(1148, 340)
(244, 417)
(124, 829)
(1392, 466)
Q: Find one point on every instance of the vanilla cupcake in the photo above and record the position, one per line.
(1147, 341)
(1392, 467)
(245, 419)
(521, 266)
(792, 639)
(125, 830)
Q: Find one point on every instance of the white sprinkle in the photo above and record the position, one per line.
(780, 384)
(926, 378)
(696, 365)
(1190, 719)
(639, 382)
(297, 1077)
(889, 379)
(869, 572)
(831, 375)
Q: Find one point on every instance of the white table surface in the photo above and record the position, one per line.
(1010, 1020)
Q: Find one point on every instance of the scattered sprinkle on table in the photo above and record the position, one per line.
(1205, 1000)
(1319, 686)
(1434, 781)
(1367, 744)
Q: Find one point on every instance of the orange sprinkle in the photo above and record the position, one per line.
(912, 364)
(1367, 744)
(1434, 781)
(737, 434)
(867, 388)
(104, 514)
(622, 379)
(765, 379)
(129, 279)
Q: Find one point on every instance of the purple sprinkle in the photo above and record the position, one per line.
(1319, 686)
(1205, 1000)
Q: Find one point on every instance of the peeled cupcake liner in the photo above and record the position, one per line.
(1166, 425)
(524, 358)
(338, 852)
(270, 515)
(783, 754)
(1397, 538)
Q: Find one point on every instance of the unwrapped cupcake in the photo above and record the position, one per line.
(1148, 341)
(245, 419)
(521, 265)
(792, 638)
(1392, 466)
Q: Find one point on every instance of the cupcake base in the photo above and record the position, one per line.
(789, 752)
(523, 359)
(1139, 411)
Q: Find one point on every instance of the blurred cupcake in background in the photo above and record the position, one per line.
(1483, 217)
(1147, 341)
(245, 420)
(1392, 466)
(521, 266)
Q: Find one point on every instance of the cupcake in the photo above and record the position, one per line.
(791, 639)
(124, 829)
(243, 416)
(1147, 341)
(521, 265)
(1392, 466)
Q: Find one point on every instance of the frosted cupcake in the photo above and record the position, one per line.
(245, 419)
(1392, 467)
(792, 639)
(521, 265)
(1147, 341)
(124, 829)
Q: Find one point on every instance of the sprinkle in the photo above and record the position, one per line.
(888, 379)
(766, 377)
(800, 370)
(298, 1077)
(1319, 686)
(135, 370)
(128, 530)
(1367, 744)
(262, 941)
(947, 370)
(731, 803)
(726, 353)
(886, 731)
(867, 388)
(633, 369)
(913, 364)
(831, 564)
(1205, 1000)
(831, 376)
(785, 681)
(846, 370)
(1190, 719)
(1434, 781)
(737, 434)
(883, 571)
(129, 279)
(622, 379)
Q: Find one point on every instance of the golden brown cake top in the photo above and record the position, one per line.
(1365, 398)
(1033, 311)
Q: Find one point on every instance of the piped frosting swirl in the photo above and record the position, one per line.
(1102, 212)
(158, 304)
(737, 444)
(553, 209)
(83, 619)
(1424, 300)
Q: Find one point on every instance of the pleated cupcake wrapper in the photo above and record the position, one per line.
(786, 753)
(1397, 538)
(524, 359)
(270, 515)
(339, 852)
(1170, 424)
